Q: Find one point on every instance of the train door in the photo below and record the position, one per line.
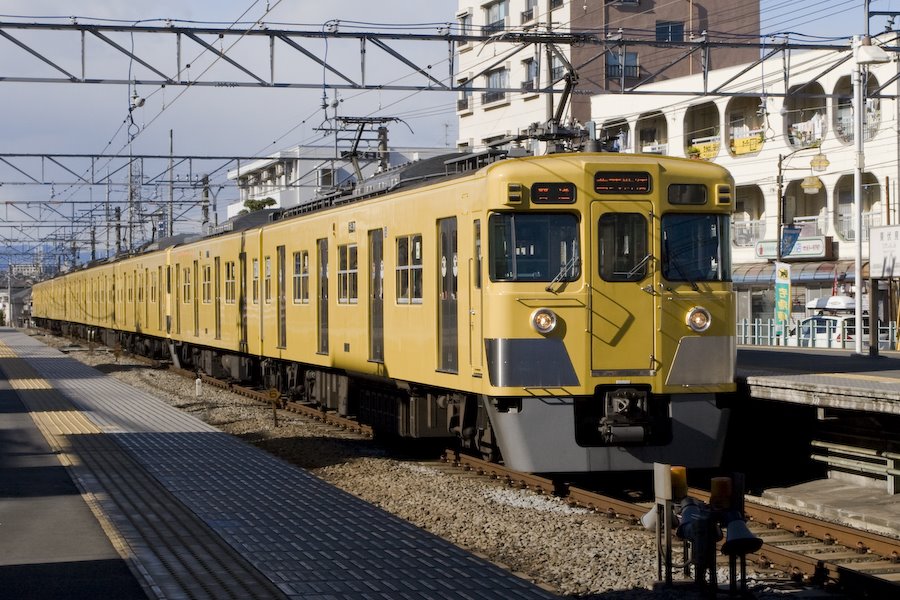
(159, 297)
(146, 284)
(217, 295)
(242, 299)
(376, 295)
(196, 298)
(176, 293)
(281, 300)
(623, 315)
(476, 345)
(448, 338)
(322, 327)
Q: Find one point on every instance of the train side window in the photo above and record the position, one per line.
(477, 236)
(207, 284)
(301, 277)
(186, 283)
(230, 282)
(255, 281)
(348, 274)
(409, 269)
(267, 279)
(623, 247)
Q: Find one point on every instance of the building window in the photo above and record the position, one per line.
(230, 281)
(495, 17)
(301, 277)
(614, 67)
(530, 66)
(557, 69)
(555, 4)
(530, 11)
(348, 274)
(669, 31)
(267, 282)
(409, 269)
(464, 102)
(255, 285)
(207, 284)
(465, 24)
(496, 79)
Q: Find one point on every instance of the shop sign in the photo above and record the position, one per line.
(805, 247)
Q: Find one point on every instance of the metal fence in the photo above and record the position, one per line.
(765, 332)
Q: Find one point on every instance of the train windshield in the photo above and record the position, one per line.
(696, 247)
(534, 247)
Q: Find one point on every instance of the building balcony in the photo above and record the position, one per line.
(745, 234)
(492, 28)
(615, 71)
(491, 97)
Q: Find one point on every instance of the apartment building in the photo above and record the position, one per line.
(510, 72)
(782, 135)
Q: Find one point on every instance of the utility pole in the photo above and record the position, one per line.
(170, 229)
(204, 204)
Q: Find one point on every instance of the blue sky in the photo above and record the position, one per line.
(90, 118)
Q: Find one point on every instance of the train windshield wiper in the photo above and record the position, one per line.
(563, 270)
(670, 257)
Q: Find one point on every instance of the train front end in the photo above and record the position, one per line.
(609, 319)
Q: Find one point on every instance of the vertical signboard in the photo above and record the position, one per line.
(884, 250)
(782, 296)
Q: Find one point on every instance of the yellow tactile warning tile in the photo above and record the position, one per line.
(52, 412)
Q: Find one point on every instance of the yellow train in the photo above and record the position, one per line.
(562, 313)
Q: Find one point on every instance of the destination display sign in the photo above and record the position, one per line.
(622, 182)
(553, 193)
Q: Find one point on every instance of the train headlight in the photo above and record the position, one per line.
(543, 320)
(698, 319)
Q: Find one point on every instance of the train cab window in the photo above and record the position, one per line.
(623, 247)
(533, 247)
(696, 247)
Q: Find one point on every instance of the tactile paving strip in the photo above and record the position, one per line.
(309, 538)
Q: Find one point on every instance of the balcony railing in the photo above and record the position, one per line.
(747, 233)
(489, 97)
(811, 226)
(529, 85)
(527, 15)
(464, 103)
(494, 27)
(631, 71)
(846, 225)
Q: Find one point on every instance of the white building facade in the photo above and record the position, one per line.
(802, 121)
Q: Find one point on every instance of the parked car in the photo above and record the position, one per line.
(832, 331)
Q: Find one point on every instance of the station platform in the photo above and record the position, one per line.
(822, 377)
(832, 379)
(859, 507)
(107, 492)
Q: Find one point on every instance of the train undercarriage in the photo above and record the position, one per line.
(391, 407)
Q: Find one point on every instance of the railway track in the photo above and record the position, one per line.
(810, 550)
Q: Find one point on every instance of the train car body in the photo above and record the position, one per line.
(563, 313)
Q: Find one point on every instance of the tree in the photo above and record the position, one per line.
(255, 205)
